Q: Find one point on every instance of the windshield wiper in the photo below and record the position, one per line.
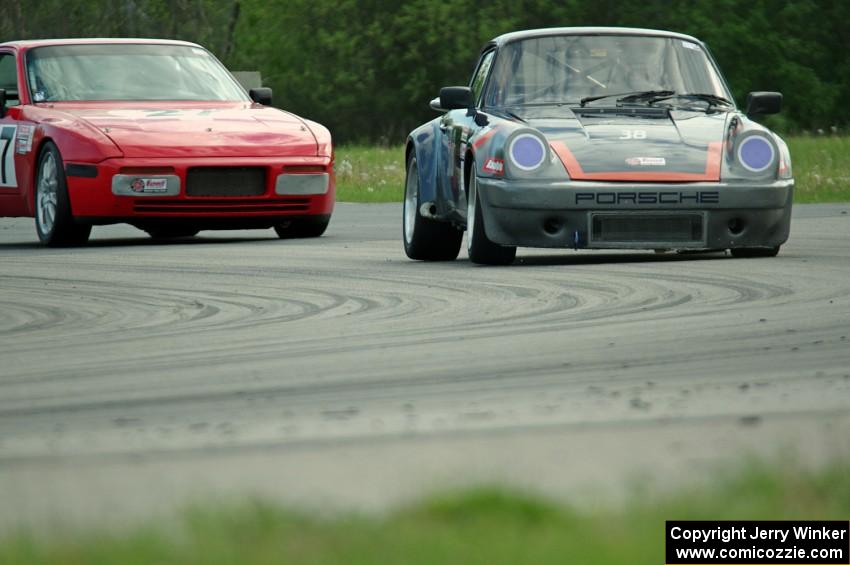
(630, 96)
(513, 115)
(712, 99)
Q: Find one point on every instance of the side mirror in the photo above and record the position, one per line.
(2, 103)
(435, 105)
(763, 103)
(261, 96)
(456, 98)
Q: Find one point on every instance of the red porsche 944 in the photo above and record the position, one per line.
(157, 134)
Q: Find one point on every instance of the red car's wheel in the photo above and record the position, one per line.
(53, 219)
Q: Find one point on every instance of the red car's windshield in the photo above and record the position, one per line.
(128, 72)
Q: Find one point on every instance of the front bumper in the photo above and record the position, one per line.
(104, 198)
(560, 213)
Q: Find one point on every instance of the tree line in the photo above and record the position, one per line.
(367, 68)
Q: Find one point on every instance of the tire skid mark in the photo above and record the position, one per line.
(730, 349)
(402, 311)
(235, 353)
(318, 423)
(589, 300)
(545, 378)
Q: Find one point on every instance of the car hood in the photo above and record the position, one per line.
(645, 144)
(210, 130)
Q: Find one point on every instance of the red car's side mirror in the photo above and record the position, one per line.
(261, 96)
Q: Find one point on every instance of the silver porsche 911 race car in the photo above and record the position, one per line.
(595, 138)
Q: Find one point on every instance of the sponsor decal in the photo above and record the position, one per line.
(689, 45)
(23, 143)
(494, 166)
(648, 197)
(149, 186)
(646, 161)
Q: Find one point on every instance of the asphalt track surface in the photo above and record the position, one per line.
(136, 377)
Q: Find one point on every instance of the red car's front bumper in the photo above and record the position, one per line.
(99, 193)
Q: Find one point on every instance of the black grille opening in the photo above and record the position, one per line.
(644, 228)
(225, 206)
(226, 181)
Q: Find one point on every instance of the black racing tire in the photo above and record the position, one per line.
(302, 227)
(54, 222)
(480, 249)
(425, 239)
(171, 232)
(754, 252)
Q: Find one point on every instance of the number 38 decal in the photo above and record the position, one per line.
(633, 134)
(7, 157)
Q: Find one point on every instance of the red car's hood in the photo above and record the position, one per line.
(204, 130)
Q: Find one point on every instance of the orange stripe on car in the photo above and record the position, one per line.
(574, 169)
(483, 139)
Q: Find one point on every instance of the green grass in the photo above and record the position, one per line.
(376, 174)
(369, 174)
(484, 526)
(821, 168)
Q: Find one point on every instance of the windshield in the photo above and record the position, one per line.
(567, 68)
(128, 72)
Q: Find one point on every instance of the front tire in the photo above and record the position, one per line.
(425, 239)
(301, 228)
(480, 249)
(754, 252)
(54, 222)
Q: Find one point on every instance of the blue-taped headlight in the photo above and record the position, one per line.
(527, 152)
(756, 154)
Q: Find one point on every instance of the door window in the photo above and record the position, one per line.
(480, 75)
(9, 78)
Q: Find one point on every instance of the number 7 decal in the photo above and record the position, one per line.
(7, 157)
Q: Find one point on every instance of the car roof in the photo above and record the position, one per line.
(31, 43)
(546, 32)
